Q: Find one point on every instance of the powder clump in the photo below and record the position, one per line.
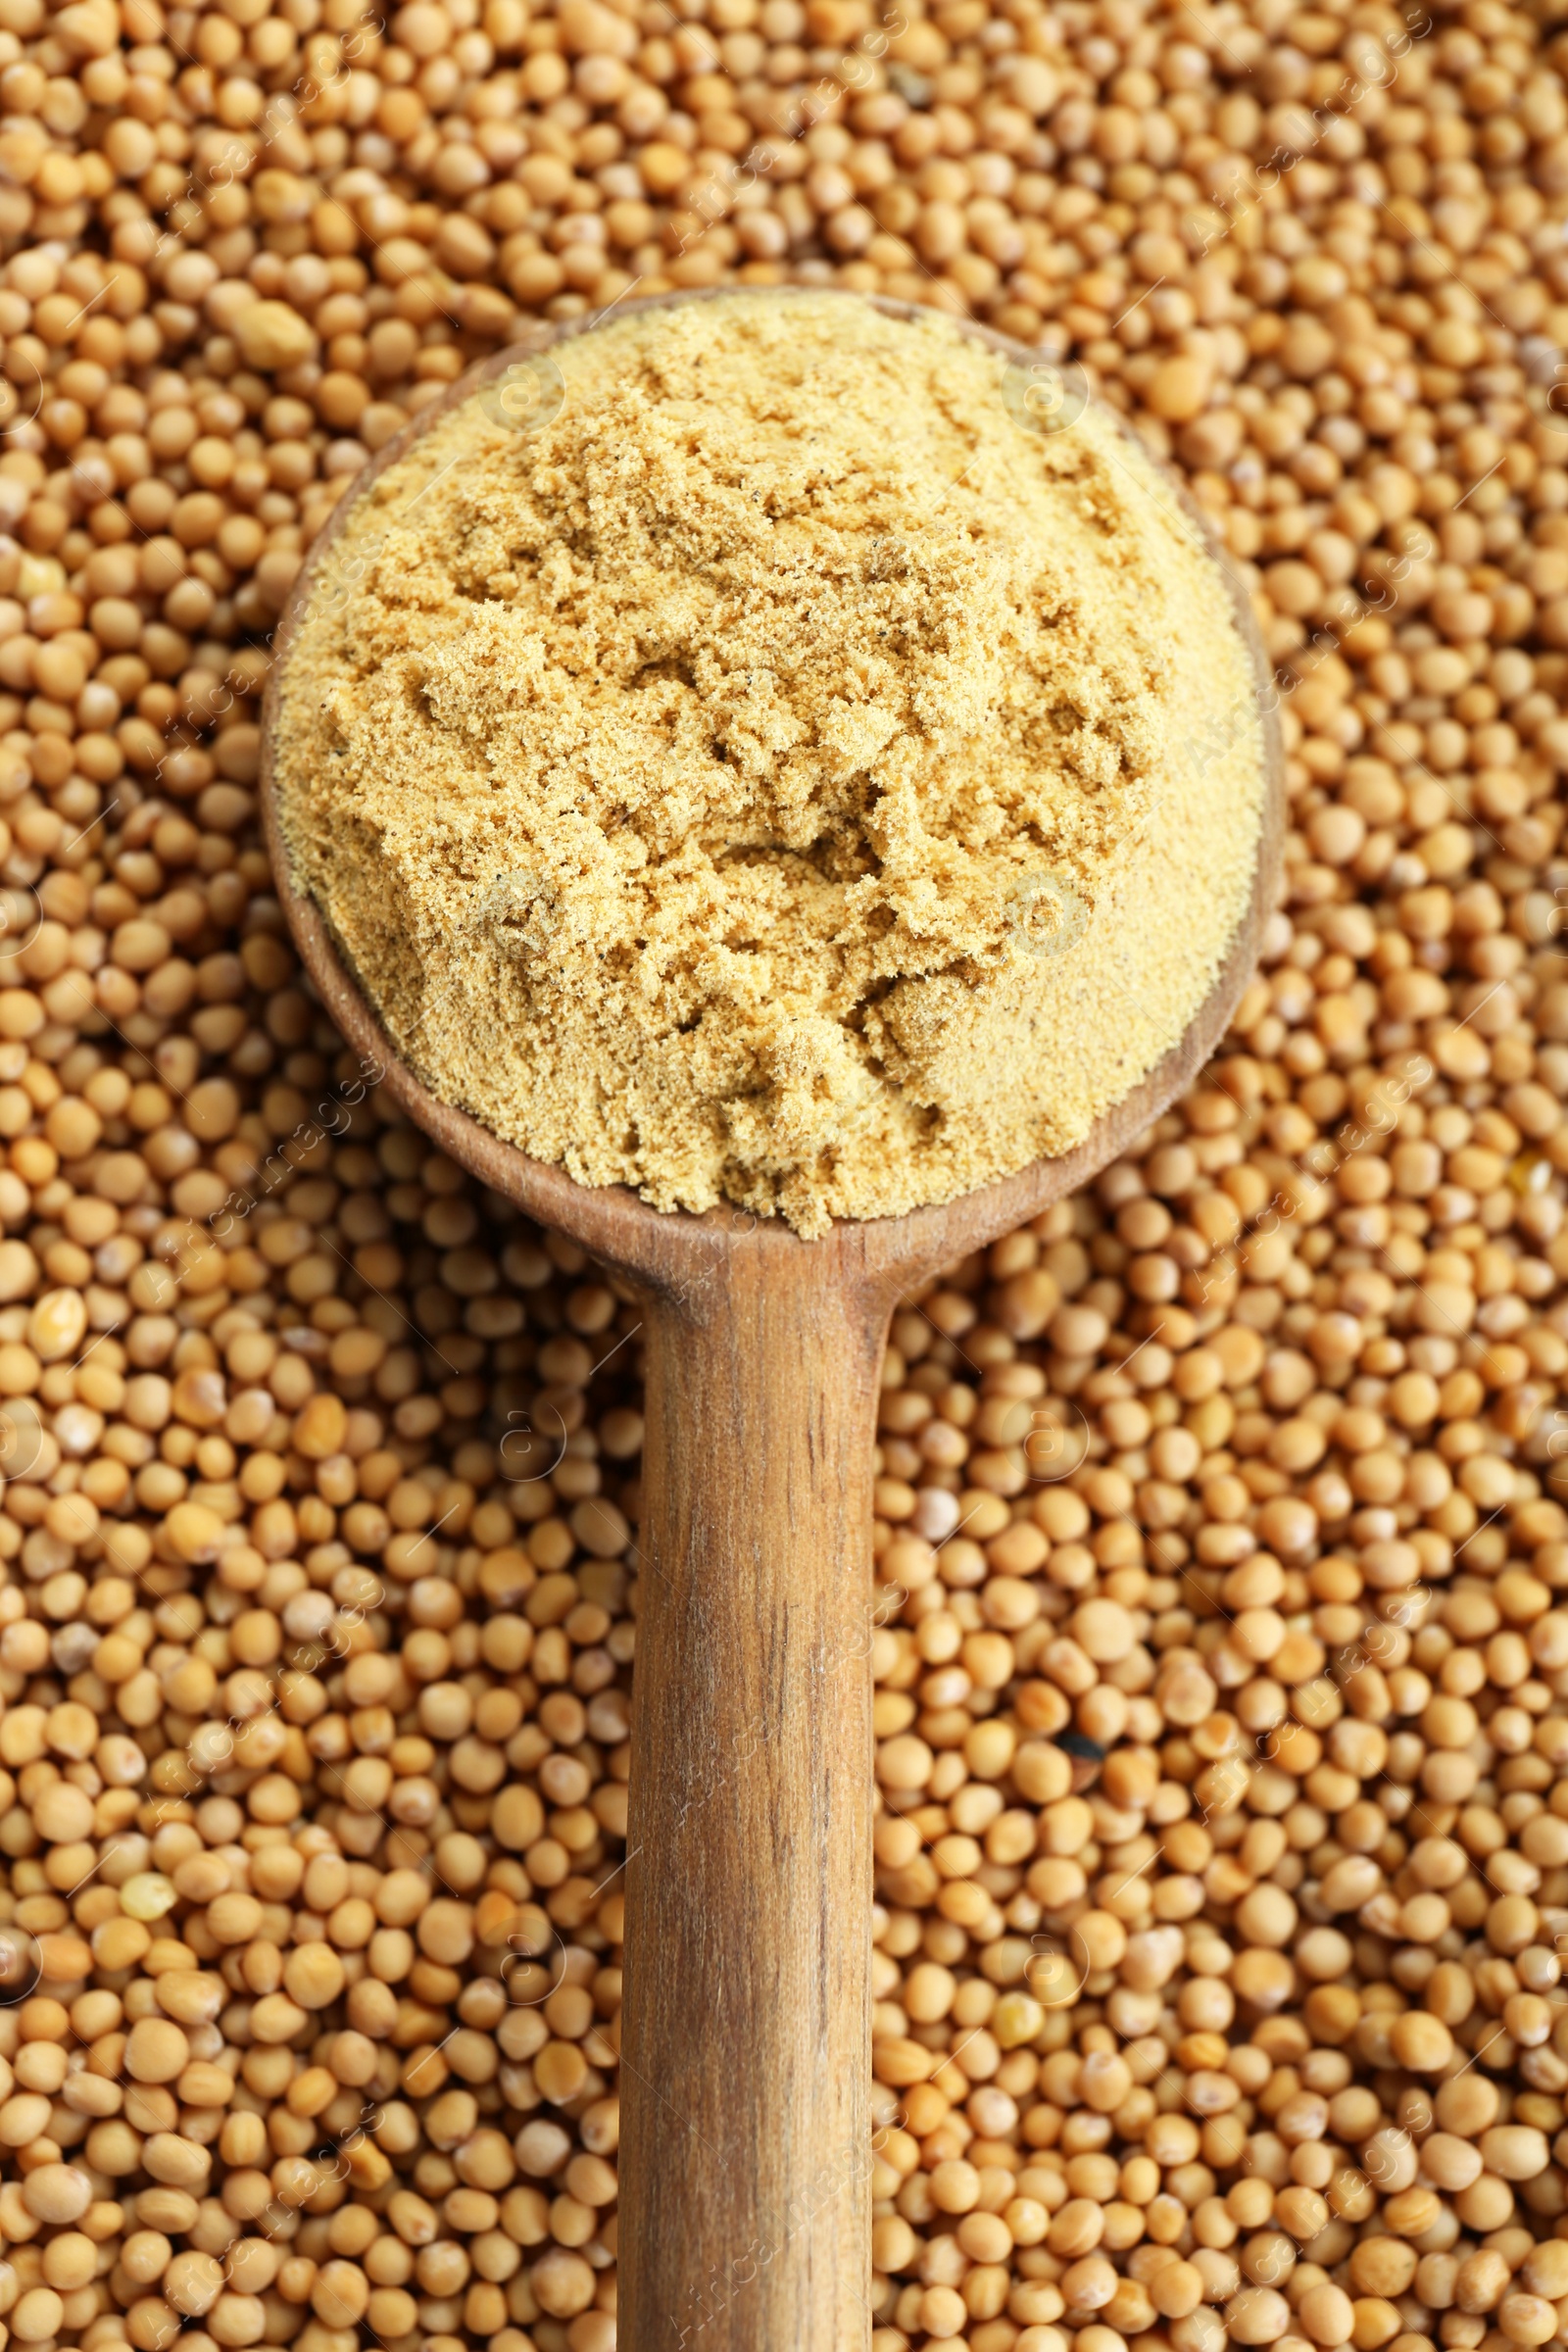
(783, 773)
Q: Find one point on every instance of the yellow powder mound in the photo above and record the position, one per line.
(784, 773)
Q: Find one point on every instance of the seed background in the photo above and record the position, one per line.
(1247, 1463)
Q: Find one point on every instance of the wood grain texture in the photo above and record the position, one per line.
(746, 2143)
(744, 2208)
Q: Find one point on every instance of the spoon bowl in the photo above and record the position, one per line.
(745, 2092)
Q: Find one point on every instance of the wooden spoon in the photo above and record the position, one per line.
(746, 2135)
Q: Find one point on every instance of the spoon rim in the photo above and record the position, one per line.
(609, 1220)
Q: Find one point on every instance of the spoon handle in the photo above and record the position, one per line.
(746, 2077)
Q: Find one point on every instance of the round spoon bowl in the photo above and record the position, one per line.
(745, 2205)
(611, 1220)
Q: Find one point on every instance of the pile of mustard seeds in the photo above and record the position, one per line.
(1248, 1464)
(776, 768)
